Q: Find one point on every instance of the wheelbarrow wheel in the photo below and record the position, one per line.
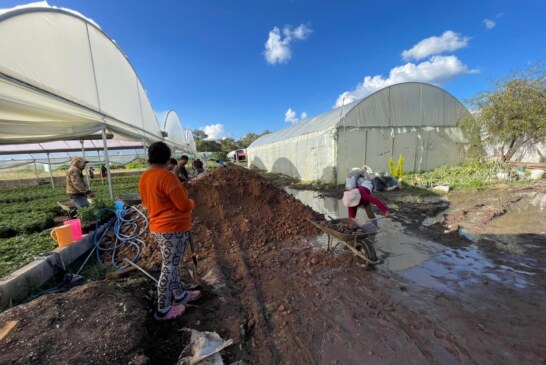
(369, 251)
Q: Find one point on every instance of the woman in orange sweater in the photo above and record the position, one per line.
(169, 211)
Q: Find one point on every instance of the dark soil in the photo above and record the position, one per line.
(281, 299)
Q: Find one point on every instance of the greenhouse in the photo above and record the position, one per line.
(416, 120)
(67, 89)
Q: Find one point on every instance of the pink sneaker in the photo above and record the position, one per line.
(191, 296)
(174, 312)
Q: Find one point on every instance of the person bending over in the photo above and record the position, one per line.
(361, 196)
(169, 211)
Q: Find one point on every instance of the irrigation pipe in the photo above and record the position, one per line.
(121, 239)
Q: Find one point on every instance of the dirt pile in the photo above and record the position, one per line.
(93, 324)
(234, 205)
(239, 205)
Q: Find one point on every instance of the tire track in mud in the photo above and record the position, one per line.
(256, 305)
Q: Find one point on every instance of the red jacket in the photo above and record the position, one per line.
(366, 198)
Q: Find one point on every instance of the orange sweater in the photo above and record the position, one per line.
(169, 208)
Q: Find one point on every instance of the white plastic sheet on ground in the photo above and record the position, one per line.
(205, 349)
(416, 120)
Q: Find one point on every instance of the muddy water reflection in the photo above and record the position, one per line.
(398, 250)
(455, 269)
(429, 263)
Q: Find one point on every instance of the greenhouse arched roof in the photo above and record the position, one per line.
(62, 77)
(410, 104)
(175, 132)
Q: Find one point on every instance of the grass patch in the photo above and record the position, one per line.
(474, 176)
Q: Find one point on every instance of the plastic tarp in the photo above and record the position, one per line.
(416, 120)
(61, 76)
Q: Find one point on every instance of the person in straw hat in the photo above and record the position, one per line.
(361, 196)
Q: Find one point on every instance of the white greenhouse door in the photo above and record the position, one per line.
(321, 165)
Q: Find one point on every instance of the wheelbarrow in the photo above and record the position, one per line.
(69, 207)
(358, 243)
(130, 199)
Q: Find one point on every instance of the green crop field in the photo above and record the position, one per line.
(25, 212)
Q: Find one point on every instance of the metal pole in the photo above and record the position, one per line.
(86, 174)
(36, 172)
(107, 161)
(50, 171)
(145, 155)
(100, 168)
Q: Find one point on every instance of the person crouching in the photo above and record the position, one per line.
(361, 196)
(169, 211)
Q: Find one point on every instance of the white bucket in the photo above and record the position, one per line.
(503, 176)
(537, 174)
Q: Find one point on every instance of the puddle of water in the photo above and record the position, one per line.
(458, 268)
(398, 250)
(424, 262)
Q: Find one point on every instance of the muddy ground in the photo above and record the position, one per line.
(477, 298)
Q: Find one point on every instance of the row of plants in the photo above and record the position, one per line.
(29, 210)
(16, 252)
(25, 212)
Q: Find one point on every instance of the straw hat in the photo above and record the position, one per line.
(351, 198)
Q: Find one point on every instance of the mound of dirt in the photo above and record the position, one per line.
(237, 206)
(241, 206)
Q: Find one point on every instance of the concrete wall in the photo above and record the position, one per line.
(20, 283)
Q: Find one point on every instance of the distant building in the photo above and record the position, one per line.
(237, 155)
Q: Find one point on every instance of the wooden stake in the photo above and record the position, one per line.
(7, 329)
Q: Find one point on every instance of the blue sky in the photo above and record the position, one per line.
(208, 60)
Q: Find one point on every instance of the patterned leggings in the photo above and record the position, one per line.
(172, 251)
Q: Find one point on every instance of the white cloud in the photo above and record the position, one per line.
(436, 70)
(489, 24)
(447, 42)
(292, 117)
(277, 47)
(215, 132)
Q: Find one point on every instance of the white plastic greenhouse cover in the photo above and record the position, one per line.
(61, 77)
(59, 159)
(415, 120)
(410, 104)
(67, 146)
(176, 133)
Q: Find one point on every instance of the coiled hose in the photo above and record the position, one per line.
(121, 240)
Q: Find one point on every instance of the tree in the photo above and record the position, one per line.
(514, 114)
(475, 149)
(202, 144)
(199, 134)
(251, 137)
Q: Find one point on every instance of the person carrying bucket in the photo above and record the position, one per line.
(361, 196)
(169, 210)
